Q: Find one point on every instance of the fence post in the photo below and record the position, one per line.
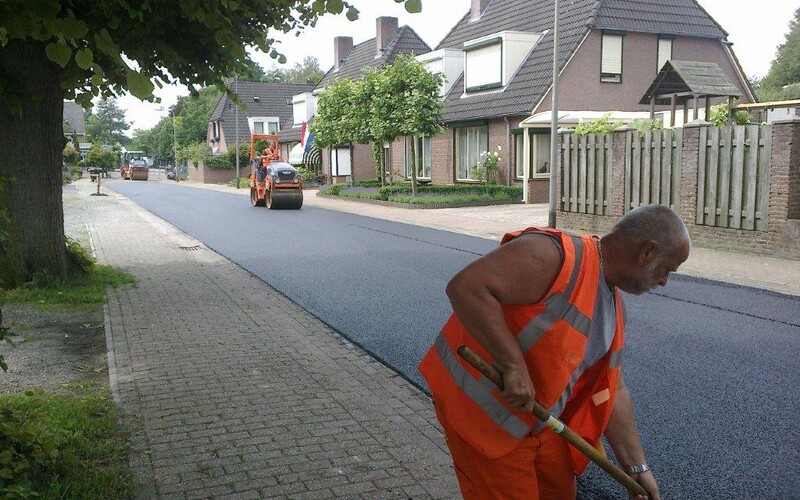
(690, 154)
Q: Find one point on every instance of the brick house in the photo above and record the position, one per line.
(350, 62)
(268, 111)
(498, 61)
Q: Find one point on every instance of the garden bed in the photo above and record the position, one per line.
(427, 197)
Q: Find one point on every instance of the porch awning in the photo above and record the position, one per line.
(299, 156)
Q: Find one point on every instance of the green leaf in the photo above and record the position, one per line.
(335, 6)
(414, 6)
(352, 13)
(73, 28)
(59, 53)
(281, 59)
(105, 43)
(84, 58)
(140, 85)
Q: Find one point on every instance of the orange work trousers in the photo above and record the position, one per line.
(539, 468)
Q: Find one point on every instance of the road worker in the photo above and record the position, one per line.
(545, 308)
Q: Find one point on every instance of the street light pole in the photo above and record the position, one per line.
(554, 125)
(236, 142)
(174, 144)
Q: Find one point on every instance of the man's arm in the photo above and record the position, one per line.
(623, 437)
(518, 272)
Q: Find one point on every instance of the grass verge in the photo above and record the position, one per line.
(66, 445)
(84, 290)
(63, 446)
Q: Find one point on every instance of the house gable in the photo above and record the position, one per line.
(533, 80)
(266, 100)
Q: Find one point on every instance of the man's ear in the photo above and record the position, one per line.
(648, 251)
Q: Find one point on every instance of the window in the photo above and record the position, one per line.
(483, 66)
(340, 161)
(664, 52)
(539, 154)
(470, 143)
(264, 124)
(611, 58)
(215, 130)
(424, 161)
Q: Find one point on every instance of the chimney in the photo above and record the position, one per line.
(386, 29)
(478, 6)
(342, 45)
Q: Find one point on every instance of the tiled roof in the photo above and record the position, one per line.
(271, 102)
(671, 17)
(701, 78)
(534, 77)
(363, 55)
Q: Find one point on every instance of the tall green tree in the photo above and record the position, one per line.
(52, 50)
(785, 68)
(334, 123)
(407, 103)
(106, 123)
(193, 113)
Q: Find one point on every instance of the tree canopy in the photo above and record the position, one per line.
(106, 123)
(52, 50)
(782, 82)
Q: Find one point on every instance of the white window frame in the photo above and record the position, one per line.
(611, 50)
(470, 142)
(340, 161)
(270, 124)
(479, 73)
(426, 155)
(540, 155)
(664, 52)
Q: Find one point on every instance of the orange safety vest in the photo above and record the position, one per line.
(552, 334)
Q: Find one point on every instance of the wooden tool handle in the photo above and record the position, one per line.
(556, 425)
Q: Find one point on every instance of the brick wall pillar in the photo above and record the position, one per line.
(690, 156)
(788, 133)
(783, 147)
(616, 191)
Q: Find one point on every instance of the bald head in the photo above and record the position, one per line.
(653, 223)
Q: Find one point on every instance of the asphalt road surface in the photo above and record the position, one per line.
(714, 368)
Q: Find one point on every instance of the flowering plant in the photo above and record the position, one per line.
(488, 169)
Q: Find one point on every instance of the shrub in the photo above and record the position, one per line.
(602, 125)
(79, 256)
(30, 448)
(719, 116)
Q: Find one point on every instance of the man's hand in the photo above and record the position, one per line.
(648, 481)
(518, 389)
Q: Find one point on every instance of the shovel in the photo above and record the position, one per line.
(556, 425)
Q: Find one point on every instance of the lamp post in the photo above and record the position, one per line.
(236, 142)
(174, 144)
(554, 125)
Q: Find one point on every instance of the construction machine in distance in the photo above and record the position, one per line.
(273, 183)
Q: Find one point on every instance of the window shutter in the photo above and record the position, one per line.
(612, 55)
(664, 52)
(484, 66)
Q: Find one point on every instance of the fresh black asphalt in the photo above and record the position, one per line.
(714, 368)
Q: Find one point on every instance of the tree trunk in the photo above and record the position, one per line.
(31, 154)
(414, 166)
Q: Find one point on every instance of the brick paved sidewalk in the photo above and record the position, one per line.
(233, 391)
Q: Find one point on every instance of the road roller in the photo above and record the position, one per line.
(273, 183)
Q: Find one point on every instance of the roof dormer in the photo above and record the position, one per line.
(491, 61)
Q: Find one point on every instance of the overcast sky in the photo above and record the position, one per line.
(755, 28)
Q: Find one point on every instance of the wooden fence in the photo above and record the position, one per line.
(653, 167)
(733, 177)
(586, 176)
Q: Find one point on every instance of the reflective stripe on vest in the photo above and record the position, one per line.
(557, 307)
(480, 391)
